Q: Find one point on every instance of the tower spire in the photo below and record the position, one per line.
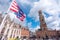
(43, 25)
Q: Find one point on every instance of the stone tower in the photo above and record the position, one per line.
(43, 25)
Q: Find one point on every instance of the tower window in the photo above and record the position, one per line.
(42, 19)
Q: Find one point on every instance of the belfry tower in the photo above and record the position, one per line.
(43, 25)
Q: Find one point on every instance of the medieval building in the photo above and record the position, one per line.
(12, 30)
(44, 32)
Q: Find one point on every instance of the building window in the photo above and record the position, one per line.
(42, 19)
(39, 36)
(24, 37)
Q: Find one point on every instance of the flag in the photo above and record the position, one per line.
(18, 12)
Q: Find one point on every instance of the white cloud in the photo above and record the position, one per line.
(4, 5)
(25, 2)
(24, 23)
(31, 28)
(34, 29)
(29, 24)
(34, 13)
(49, 6)
(38, 27)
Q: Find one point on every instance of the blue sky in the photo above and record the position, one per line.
(50, 9)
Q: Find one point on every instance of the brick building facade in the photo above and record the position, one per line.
(44, 32)
(20, 31)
